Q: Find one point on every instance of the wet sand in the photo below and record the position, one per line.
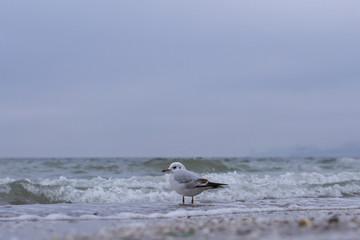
(310, 224)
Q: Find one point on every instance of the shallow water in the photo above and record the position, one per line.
(161, 210)
(119, 188)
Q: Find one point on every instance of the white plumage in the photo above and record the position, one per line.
(188, 183)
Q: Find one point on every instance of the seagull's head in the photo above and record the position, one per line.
(174, 167)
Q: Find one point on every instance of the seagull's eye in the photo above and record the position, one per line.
(174, 167)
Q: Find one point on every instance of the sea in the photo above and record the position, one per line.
(48, 189)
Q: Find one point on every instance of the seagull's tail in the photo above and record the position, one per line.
(215, 185)
(207, 184)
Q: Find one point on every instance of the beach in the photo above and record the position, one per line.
(309, 224)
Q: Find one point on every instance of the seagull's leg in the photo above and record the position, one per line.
(183, 200)
(192, 200)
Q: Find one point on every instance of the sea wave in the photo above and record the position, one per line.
(242, 187)
(89, 168)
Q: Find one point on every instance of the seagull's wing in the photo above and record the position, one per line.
(201, 182)
(192, 180)
(186, 177)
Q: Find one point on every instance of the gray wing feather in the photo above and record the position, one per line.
(186, 177)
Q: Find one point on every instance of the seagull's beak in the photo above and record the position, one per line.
(166, 170)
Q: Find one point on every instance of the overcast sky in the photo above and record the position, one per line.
(177, 78)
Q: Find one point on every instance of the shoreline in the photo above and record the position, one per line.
(272, 225)
(303, 224)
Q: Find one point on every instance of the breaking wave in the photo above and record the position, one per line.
(242, 187)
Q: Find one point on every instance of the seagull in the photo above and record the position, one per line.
(187, 183)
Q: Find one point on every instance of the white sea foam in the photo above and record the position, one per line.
(200, 211)
(156, 188)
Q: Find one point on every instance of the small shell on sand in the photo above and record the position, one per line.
(304, 222)
(333, 219)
